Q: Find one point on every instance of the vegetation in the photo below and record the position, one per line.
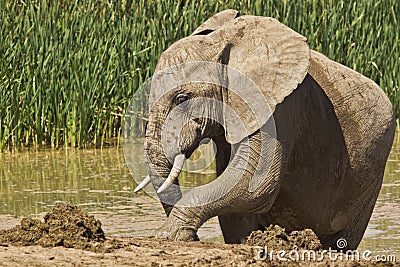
(68, 68)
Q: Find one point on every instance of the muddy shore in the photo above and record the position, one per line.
(68, 236)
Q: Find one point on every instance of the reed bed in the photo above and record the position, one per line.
(68, 68)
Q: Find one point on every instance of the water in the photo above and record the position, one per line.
(383, 232)
(32, 182)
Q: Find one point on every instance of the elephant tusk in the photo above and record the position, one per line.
(175, 171)
(142, 184)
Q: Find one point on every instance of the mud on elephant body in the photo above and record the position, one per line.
(332, 130)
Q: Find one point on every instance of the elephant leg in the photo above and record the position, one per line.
(352, 233)
(359, 217)
(237, 226)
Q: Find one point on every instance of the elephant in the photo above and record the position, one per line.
(331, 128)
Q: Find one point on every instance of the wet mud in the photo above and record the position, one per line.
(66, 225)
(68, 236)
(276, 238)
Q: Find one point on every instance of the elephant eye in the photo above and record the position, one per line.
(180, 98)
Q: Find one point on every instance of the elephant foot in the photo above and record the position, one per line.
(171, 230)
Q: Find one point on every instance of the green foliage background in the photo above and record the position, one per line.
(68, 68)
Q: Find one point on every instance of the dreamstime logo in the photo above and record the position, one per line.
(341, 243)
(173, 120)
(264, 254)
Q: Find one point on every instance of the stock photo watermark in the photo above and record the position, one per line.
(185, 116)
(335, 255)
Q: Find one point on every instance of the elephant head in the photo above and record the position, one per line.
(229, 81)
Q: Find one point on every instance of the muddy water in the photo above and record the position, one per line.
(32, 182)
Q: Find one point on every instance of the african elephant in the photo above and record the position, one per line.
(332, 132)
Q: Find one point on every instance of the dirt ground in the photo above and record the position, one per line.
(69, 236)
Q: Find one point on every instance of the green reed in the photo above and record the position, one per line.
(68, 68)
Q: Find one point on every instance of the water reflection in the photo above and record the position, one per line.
(31, 183)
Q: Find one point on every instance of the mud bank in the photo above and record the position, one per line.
(69, 236)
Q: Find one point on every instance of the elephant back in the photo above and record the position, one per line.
(363, 110)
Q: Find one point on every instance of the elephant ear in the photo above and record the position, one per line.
(215, 22)
(272, 60)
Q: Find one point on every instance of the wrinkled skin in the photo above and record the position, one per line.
(334, 131)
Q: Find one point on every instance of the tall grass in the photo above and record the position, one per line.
(68, 68)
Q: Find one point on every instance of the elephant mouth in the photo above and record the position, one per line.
(172, 176)
(174, 173)
(177, 166)
(176, 169)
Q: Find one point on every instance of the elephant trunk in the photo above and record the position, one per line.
(252, 174)
(159, 169)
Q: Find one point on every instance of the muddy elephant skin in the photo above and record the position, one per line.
(333, 130)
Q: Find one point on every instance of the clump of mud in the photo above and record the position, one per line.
(66, 225)
(275, 237)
